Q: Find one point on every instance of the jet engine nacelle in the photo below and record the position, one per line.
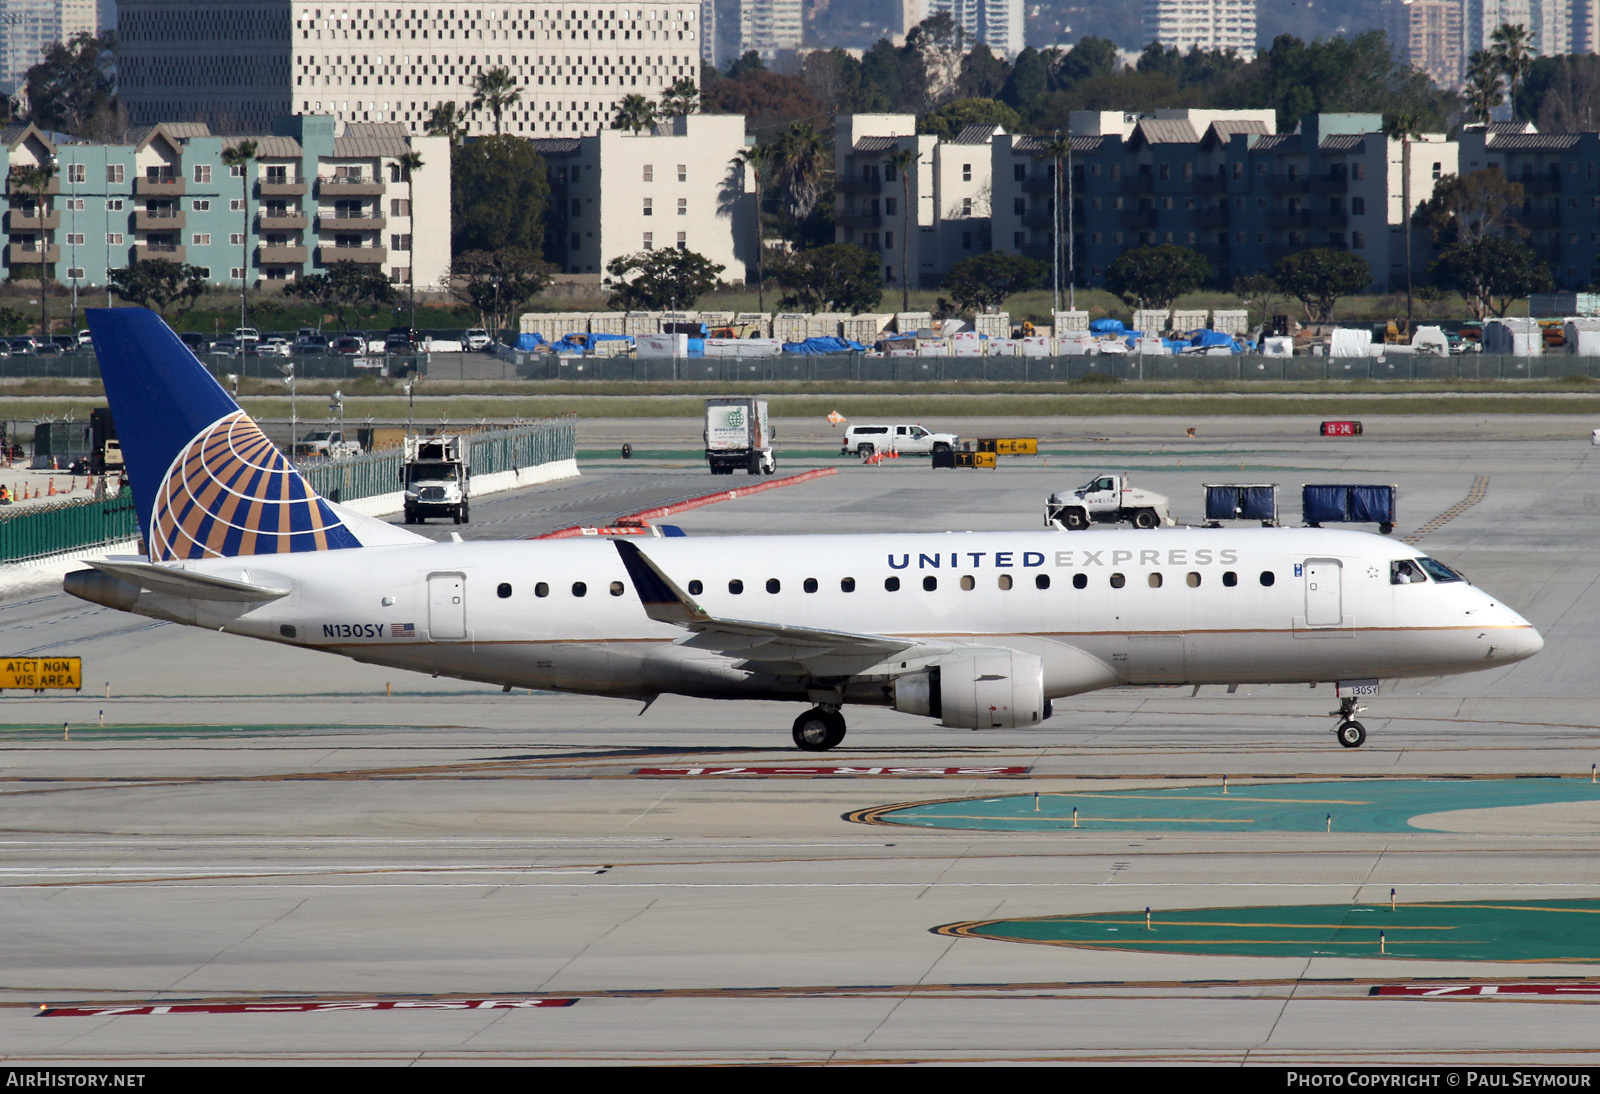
(999, 690)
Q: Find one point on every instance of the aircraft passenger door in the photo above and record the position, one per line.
(1323, 580)
(447, 606)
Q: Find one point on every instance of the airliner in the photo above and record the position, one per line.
(975, 630)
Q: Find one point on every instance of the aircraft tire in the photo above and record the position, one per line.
(1145, 518)
(818, 730)
(1075, 519)
(1351, 734)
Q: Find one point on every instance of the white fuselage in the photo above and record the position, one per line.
(1097, 608)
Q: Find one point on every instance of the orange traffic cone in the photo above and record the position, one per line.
(52, 488)
(72, 485)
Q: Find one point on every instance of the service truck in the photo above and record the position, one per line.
(739, 435)
(326, 444)
(105, 456)
(436, 477)
(1106, 499)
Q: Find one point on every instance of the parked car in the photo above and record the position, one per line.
(85, 338)
(197, 342)
(23, 346)
(275, 346)
(247, 334)
(349, 345)
(49, 349)
(478, 339)
(397, 343)
(67, 342)
(226, 346)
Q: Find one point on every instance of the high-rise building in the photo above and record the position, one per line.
(237, 64)
(1208, 24)
(770, 26)
(29, 27)
(1550, 23)
(998, 24)
(1429, 34)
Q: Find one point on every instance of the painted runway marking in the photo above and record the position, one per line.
(305, 1008)
(765, 772)
(1483, 990)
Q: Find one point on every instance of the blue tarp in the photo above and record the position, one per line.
(1231, 501)
(572, 343)
(1106, 326)
(1344, 503)
(816, 347)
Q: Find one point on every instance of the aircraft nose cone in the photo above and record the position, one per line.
(1529, 642)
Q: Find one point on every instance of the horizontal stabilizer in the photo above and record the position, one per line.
(163, 579)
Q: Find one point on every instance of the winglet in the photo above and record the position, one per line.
(662, 599)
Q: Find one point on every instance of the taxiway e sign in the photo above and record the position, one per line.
(36, 673)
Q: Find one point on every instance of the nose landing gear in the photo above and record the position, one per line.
(818, 729)
(1351, 733)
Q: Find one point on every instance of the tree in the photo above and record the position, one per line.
(495, 89)
(410, 163)
(36, 177)
(447, 120)
(498, 192)
(757, 159)
(1153, 277)
(1491, 273)
(1482, 93)
(1056, 148)
(987, 280)
(903, 161)
(362, 290)
(768, 100)
(1257, 291)
(498, 283)
(1318, 277)
(983, 75)
(1562, 94)
(800, 164)
(237, 157)
(635, 112)
(1512, 49)
(838, 277)
(11, 321)
(1466, 209)
(679, 100)
(952, 118)
(668, 279)
(74, 84)
(159, 283)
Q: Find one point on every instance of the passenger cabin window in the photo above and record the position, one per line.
(1080, 581)
(579, 588)
(541, 589)
(503, 590)
(891, 584)
(930, 583)
(616, 588)
(1005, 582)
(1041, 581)
(968, 583)
(1406, 572)
(809, 585)
(1267, 578)
(847, 584)
(1118, 581)
(1155, 581)
(735, 586)
(773, 585)
(1194, 579)
(1229, 578)
(696, 587)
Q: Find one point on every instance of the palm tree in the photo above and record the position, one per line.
(496, 89)
(1483, 85)
(758, 159)
(800, 165)
(634, 113)
(903, 161)
(238, 157)
(681, 99)
(1513, 51)
(36, 177)
(1406, 127)
(446, 120)
(1057, 148)
(410, 163)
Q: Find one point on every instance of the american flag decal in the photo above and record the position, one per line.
(403, 630)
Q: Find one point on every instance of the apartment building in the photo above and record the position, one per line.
(29, 27)
(308, 199)
(617, 193)
(998, 24)
(239, 64)
(1429, 34)
(1560, 178)
(770, 27)
(1206, 24)
(884, 207)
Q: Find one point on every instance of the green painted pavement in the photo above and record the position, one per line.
(1354, 805)
(1481, 930)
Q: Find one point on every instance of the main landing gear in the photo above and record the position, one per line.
(1351, 733)
(818, 729)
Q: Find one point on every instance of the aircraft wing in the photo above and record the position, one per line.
(165, 579)
(762, 647)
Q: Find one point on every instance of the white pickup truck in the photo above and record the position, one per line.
(326, 444)
(1106, 499)
(864, 440)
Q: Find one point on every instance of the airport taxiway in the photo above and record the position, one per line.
(333, 862)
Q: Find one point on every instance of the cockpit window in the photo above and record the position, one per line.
(1439, 571)
(1405, 571)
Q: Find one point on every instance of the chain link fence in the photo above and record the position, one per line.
(36, 531)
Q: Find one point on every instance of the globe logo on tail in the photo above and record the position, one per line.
(231, 492)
